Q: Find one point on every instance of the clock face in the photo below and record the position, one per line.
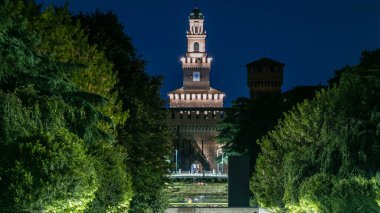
(196, 76)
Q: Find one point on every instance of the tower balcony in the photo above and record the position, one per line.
(190, 62)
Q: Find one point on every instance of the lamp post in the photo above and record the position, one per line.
(176, 160)
(222, 162)
(217, 155)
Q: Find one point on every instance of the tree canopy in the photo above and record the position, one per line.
(146, 134)
(323, 156)
(64, 126)
(249, 120)
(78, 88)
(43, 165)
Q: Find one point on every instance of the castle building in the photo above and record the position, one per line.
(264, 76)
(196, 107)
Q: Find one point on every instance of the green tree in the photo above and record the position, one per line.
(65, 41)
(327, 193)
(43, 166)
(145, 134)
(336, 135)
(90, 106)
(249, 120)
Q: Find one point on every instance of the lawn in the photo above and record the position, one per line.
(197, 193)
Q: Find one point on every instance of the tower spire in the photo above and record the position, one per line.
(196, 3)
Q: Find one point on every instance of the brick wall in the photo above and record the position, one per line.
(194, 136)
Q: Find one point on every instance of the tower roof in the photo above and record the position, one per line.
(196, 13)
(265, 61)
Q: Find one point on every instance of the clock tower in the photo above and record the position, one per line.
(196, 108)
(196, 66)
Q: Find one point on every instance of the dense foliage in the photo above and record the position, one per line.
(66, 93)
(248, 120)
(324, 156)
(44, 165)
(145, 133)
(65, 41)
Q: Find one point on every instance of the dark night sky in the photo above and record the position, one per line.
(313, 38)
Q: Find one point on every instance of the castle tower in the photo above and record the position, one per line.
(196, 66)
(196, 108)
(265, 76)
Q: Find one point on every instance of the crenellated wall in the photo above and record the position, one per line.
(196, 100)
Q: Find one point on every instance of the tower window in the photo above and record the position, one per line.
(196, 47)
(196, 29)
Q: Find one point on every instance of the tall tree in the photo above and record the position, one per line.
(98, 114)
(65, 41)
(43, 165)
(332, 140)
(145, 134)
(249, 120)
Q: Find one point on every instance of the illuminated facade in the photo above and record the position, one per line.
(196, 107)
(196, 66)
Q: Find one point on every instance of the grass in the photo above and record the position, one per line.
(188, 193)
(176, 205)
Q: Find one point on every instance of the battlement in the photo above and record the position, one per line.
(198, 62)
(192, 117)
(196, 100)
(195, 97)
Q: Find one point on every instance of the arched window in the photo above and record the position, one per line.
(196, 29)
(196, 47)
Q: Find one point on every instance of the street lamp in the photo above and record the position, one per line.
(176, 161)
(217, 154)
(222, 162)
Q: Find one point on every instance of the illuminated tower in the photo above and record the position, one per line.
(196, 108)
(196, 65)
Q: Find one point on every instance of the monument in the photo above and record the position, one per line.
(196, 107)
